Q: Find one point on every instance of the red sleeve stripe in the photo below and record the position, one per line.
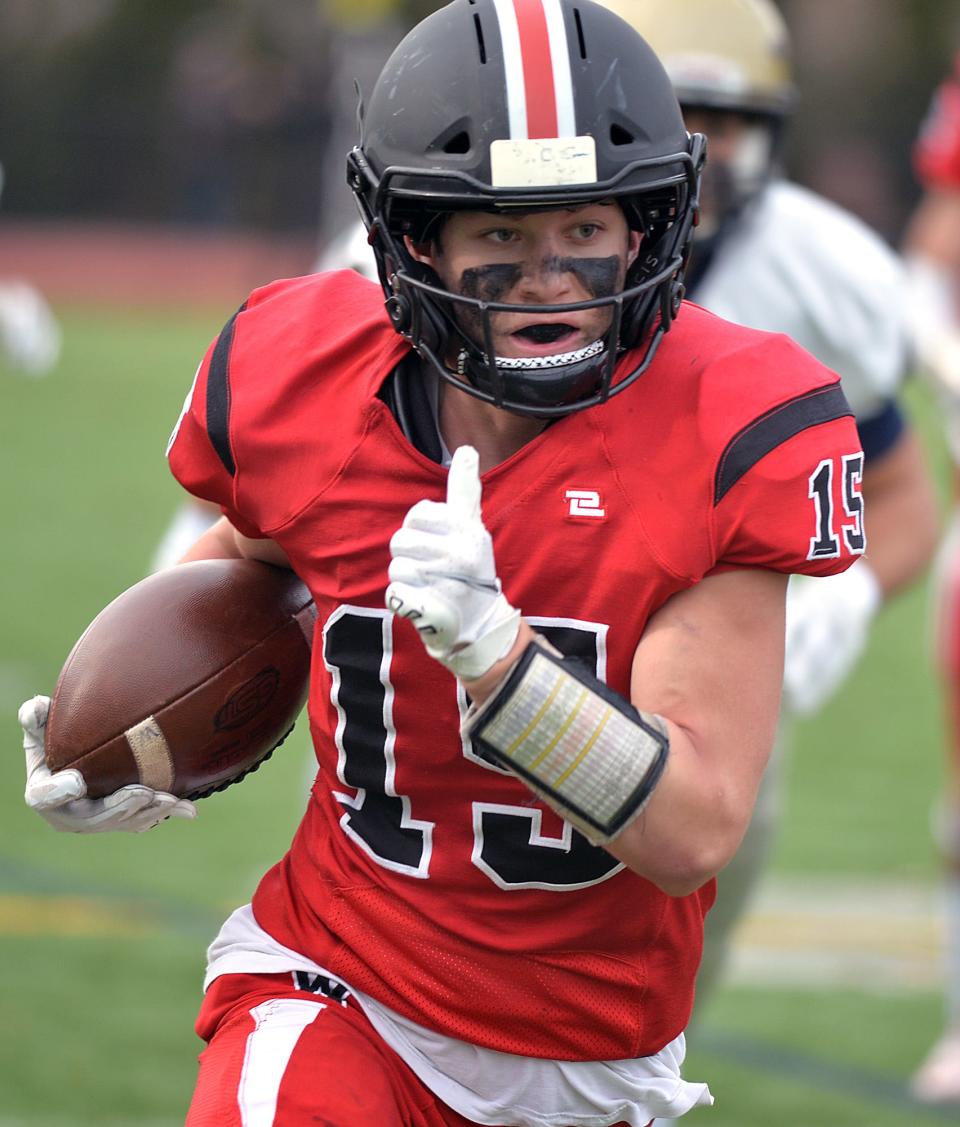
(536, 60)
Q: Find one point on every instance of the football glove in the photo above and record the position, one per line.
(828, 621)
(61, 798)
(444, 580)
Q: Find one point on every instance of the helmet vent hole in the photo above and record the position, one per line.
(580, 39)
(455, 139)
(458, 144)
(480, 44)
(620, 136)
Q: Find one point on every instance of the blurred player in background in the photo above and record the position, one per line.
(29, 331)
(932, 247)
(772, 255)
(492, 911)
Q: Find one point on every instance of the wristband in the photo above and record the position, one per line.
(588, 752)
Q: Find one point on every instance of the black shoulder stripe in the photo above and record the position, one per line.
(768, 431)
(218, 395)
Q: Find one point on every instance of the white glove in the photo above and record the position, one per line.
(444, 579)
(61, 798)
(828, 620)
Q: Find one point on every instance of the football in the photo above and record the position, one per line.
(185, 682)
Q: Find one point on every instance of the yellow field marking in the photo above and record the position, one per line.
(872, 935)
(70, 916)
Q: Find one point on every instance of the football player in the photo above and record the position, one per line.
(775, 256)
(932, 247)
(547, 513)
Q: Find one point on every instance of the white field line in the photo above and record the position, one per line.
(866, 935)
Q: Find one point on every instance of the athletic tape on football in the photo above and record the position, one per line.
(593, 756)
(152, 754)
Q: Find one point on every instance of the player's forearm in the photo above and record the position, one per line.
(224, 542)
(698, 813)
(711, 664)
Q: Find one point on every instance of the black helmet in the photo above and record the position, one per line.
(526, 104)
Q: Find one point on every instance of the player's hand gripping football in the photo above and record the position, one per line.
(444, 580)
(61, 798)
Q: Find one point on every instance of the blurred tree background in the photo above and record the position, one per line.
(865, 71)
(238, 113)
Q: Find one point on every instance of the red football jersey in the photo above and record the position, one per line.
(936, 154)
(422, 874)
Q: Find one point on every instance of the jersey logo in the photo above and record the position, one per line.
(321, 984)
(584, 504)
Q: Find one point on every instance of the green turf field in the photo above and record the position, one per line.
(102, 939)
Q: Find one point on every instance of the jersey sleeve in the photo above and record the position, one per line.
(936, 152)
(200, 451)
(787, 488)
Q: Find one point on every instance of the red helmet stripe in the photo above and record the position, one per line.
(537, 69)
(536, 61)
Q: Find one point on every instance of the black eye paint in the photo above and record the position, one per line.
(600, 277)
(490, 283)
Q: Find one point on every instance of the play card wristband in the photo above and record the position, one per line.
(578, 744)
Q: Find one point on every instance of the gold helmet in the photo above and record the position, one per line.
(720, 54)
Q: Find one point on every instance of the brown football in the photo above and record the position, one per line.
(185, 682)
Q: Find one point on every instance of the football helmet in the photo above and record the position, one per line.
(725, 56)
(494, 105)
(720, 54)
